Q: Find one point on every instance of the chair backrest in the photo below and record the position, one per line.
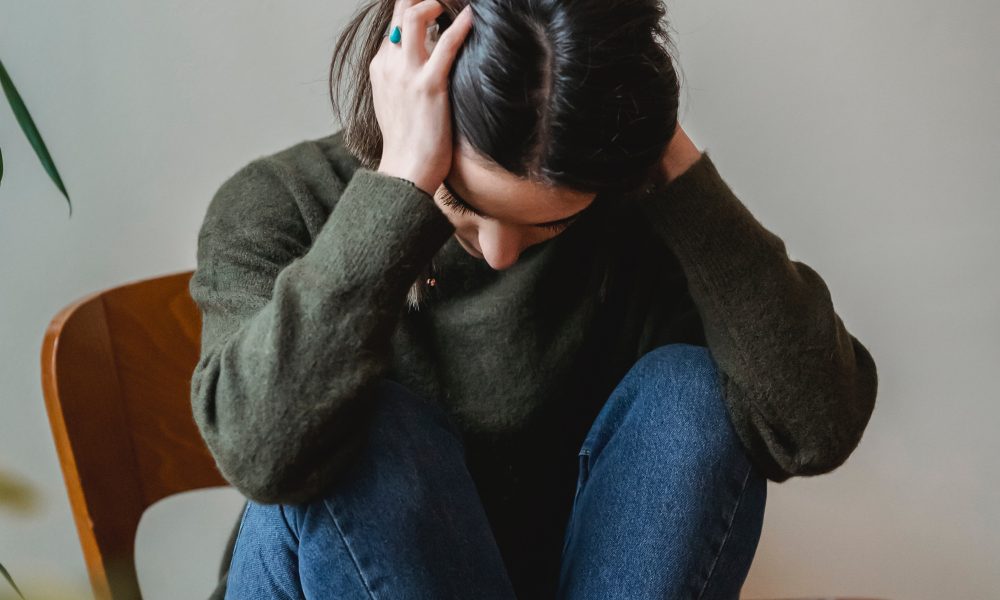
(116, 375)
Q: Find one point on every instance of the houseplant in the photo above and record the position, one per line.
(31, 132)
(14, 494)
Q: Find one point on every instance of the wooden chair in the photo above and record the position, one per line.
(116, 376)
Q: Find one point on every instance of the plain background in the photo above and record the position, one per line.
(865, 134)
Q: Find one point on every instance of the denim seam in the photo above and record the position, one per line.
(729, 531)
(350, 552)
(243, 520)
(581, 477)
(292, 529)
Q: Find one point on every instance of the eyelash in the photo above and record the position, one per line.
(450, 201)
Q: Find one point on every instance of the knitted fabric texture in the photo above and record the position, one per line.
(304, 262)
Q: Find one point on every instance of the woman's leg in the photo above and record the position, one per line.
(407, 522)
(667, 504)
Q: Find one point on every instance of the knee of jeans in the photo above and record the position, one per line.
(678, 399)
(273, 522)
(402, 407)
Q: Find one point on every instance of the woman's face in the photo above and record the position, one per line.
(497, 215)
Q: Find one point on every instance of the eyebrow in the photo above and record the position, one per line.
(480, 213)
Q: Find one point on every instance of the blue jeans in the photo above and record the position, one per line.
(667, 505)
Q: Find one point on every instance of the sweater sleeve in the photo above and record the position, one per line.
(296, 331)
(799, 388)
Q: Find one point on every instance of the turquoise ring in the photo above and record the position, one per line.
(396, 35)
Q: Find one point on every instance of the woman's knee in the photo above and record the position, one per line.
(265, 556)
(672, 399)
(273, 525)
(399, 413)
(408, 479)
(408, 437)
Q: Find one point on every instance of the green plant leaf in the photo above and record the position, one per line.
(31, 132)
(10, 581)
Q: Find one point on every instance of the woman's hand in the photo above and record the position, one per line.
(680, 154)
(410, 94)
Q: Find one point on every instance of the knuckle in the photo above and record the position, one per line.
(422, 86)
(450, 40)
(411, 16)
(408, 16)
(448, 44)
(428, 84)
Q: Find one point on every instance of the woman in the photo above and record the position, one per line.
(509, 332)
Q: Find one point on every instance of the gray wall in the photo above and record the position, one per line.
(865, 134)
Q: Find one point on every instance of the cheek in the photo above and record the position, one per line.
(467, 226)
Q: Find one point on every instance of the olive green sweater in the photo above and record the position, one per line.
(304, 263)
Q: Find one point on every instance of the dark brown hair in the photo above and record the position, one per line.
(577, 93)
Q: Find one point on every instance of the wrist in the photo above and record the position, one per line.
(419, 180)
(680, 155)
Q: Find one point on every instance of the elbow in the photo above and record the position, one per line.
(825, 452)
(814, 434)
(269, 477)
(254, 479)
(267, 446)
(265, 472)
(263, 483)
(261, 469)
(239, 448)
(268, 463)
(834, 432)
(238, 445)
(814, 450)
(850, 413)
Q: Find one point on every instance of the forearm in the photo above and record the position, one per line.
(293, 345)
(801, 389)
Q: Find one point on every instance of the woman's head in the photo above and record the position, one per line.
(496, 214)
(555, 101)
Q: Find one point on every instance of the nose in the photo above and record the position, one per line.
(500, 246)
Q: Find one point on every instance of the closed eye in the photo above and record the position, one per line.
(451, 201)
(456, 204)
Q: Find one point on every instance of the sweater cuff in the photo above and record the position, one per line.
(384, 226)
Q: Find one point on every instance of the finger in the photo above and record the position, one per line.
(450, 41)
(397, 17)
(397, 12)
(416, 20)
